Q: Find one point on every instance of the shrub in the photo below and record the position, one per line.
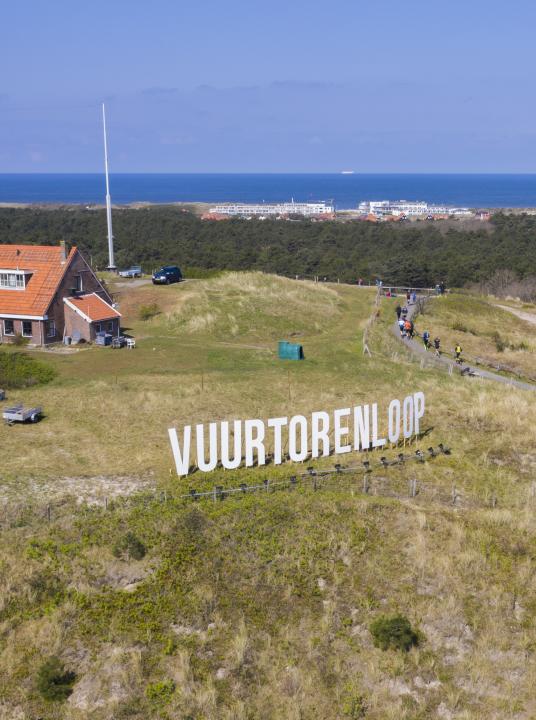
(459, 326)
(19, 340)
(500, 344)
(129, 547)
(146, 312)
(19, 370)
(354, 705)
(160, 692)
(53, 681)
(393, 632)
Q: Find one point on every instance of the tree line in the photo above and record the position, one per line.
(420, 253)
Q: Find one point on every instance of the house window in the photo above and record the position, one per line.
(9, 327)
(12, 280)
(110, 326)
(27, 328)
(98, 327)
(78, 283)
(51, 329)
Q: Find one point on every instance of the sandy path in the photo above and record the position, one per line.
(521, 314)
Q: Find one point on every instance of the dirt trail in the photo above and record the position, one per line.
(521, 314)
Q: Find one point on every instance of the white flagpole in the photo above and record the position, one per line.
(111, 262)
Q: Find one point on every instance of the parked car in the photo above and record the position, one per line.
(131, 272)
(166, 275)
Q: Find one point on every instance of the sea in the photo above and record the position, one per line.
(345, 190)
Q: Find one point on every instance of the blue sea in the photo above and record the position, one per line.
(480, 191)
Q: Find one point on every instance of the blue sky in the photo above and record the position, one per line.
(253, 86)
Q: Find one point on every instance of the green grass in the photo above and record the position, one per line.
(485, 332)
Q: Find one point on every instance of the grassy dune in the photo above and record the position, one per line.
(485, 331)
(260, 606)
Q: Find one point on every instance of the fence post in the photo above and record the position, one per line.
(365, 484)
(48, 513)
(214, 494)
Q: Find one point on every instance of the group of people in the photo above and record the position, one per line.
(407, 330)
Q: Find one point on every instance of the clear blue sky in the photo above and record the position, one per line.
(280, 86)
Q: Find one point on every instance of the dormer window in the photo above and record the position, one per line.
(13, 279)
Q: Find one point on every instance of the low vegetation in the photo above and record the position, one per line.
(275, 604)
(20, 370)
(487, 333)
(146, 312)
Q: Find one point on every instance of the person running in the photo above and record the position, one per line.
(414, 297)
(458, 354)
(404, 312)
(401, 328)
(408, 296)
(426, 340)
(398, 311)
(411, 329)
(437, 346)
(407, 328)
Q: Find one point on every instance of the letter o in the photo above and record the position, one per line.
(407, 416)
(394, 422)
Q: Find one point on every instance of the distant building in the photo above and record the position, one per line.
(317, 209)
(46, 294)
(397, 208)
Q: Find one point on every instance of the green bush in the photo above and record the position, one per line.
(53, 681)
(19, 370)
(146, 312)
(160, 692)
(129, 547)
(393, 632)
(459, 326)
(19, 340)
(500, 344)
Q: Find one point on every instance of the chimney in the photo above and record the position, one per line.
(63, 253)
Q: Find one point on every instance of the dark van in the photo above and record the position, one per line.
(167, 275)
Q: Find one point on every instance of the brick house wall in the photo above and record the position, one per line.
(89, 283)
(88, 331)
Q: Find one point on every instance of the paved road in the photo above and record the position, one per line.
(418, 348)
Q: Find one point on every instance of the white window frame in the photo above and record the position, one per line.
(12, 280)
(51, 329)
(9, 334)
(31, 328)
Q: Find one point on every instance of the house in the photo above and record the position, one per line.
(47, 293)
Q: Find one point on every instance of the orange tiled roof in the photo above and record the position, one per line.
(44, 262)
(93, 307)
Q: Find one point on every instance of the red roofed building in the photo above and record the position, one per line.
(36, 281)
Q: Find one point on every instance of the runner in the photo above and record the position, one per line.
(426, 339)
(437, 346)
(458, 354)
(401, 328)
(407, 328)
(398, 311)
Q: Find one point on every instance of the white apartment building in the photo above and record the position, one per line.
(264, 209)
(395, 208)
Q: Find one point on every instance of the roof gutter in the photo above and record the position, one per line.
(13, 316)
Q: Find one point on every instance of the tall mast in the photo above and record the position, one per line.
(111, 263)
